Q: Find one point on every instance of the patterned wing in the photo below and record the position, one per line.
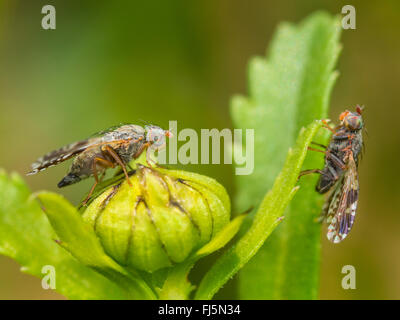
(57, 156)
(343, 204)
(110, 136)
(108, 130)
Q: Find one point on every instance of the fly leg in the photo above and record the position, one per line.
(318, 144)
(314, 149)
(140, 151)
(148, 158)
(117, 159)
(105, 163)
(336, 160)
(330, 155)
(326, 126)
(310, 171)
(149, 161)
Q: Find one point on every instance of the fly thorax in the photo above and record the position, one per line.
(134, 148)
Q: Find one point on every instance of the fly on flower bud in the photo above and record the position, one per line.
(116, 146)
(161, 220)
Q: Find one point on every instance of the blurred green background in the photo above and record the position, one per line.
(110, 62)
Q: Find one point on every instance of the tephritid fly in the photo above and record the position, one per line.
(115, 146)
(340, 174)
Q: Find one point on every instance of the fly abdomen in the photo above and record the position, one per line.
(325, 182)
(70, 178)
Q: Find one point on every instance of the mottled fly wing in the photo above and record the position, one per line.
(105, 131)
(342, 204)
(57, 156)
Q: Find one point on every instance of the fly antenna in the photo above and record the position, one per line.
(359, 109)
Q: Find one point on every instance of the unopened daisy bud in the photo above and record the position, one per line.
(161, 219)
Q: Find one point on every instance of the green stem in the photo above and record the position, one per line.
(177, 285)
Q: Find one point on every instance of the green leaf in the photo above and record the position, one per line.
(81, 241)
(288, 90)
(27, 237)
(267, 218)
(222, 238)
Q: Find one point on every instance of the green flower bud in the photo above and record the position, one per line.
(161, 219)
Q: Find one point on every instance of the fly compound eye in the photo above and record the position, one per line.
(353, 122)
(157, 137)
(359, 123)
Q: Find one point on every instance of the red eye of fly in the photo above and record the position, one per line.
(358, 109)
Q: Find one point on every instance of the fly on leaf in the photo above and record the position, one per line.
(107, 149)
(340, 175)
